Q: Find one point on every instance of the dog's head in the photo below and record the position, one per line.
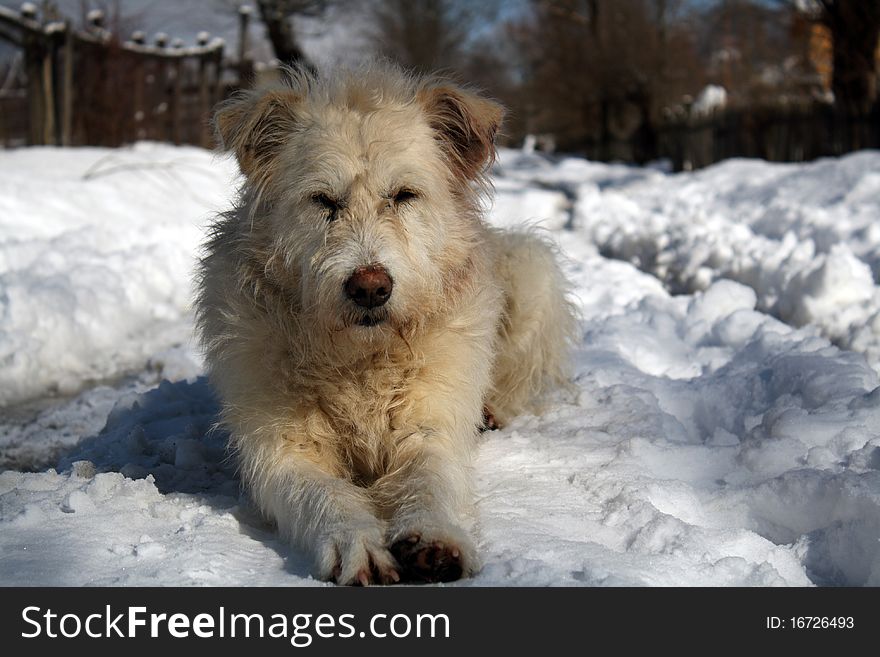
(365, 187)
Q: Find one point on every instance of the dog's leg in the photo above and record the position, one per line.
(427, 492)
(430, 491)
(295, 484)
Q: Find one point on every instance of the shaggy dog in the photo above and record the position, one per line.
(358, 317)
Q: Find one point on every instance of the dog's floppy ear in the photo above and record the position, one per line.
(465, 124)
(254, 126)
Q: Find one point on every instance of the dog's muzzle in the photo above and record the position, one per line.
(369, 287)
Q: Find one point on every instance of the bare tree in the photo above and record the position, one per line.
(855, 29)
(430, 35)
(278, 16)
(603, 70)
(460, 38)
(757, 51)
(423, 36)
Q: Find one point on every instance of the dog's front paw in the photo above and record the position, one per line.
(357, 557)
(434, 556)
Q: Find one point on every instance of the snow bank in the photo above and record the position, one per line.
(804, 237)
(705, 442)
(96, 254)
(709, 445)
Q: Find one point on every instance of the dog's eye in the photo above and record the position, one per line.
(404, 196)
(330, 205)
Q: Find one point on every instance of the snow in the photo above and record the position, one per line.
(712, 98)
(804, 237)
(714, 435)
(95, 261)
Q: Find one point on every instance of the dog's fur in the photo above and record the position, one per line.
(354, 428)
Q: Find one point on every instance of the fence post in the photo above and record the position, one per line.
(216, 90)
(163, 76)
(204, 93)
(139, 107)
(33, 47)
(176, 109)
(54, 81)
(48, 89)
(67, 87)
(244, 67)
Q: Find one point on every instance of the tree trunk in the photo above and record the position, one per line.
(855, 28)
(280, 33)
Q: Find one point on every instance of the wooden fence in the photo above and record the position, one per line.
(779, 134)
(85, 87)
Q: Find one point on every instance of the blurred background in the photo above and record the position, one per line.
(691, 82)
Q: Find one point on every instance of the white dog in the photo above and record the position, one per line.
(359, 317)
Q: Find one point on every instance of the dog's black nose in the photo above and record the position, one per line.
(369, 287)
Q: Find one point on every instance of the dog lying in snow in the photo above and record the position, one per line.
(359, 316)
